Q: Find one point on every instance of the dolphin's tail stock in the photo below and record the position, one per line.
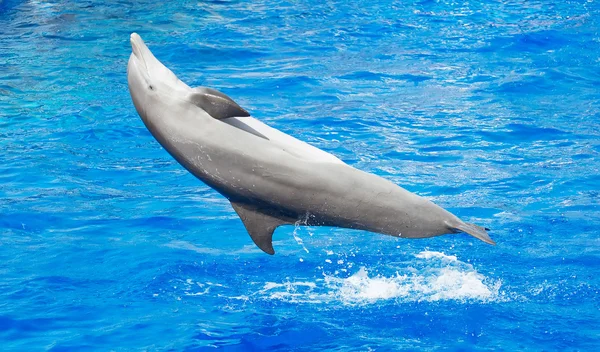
(474, 230)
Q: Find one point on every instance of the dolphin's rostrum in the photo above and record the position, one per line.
(271, 178)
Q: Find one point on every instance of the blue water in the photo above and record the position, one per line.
(490, 109)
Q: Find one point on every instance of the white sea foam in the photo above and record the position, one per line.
(194, 288)
(433, 276)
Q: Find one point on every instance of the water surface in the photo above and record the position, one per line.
(490, 109)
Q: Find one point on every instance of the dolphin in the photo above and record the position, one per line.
(271, 178)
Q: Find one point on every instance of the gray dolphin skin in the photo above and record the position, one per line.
(271, 178)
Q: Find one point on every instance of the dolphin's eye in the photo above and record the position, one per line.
(151, 87)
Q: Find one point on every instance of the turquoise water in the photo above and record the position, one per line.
(489, 109)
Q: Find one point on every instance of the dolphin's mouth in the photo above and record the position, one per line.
(148, 68)
(137, 48)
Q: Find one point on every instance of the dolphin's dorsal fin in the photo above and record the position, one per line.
(215, 103)
(260, 226)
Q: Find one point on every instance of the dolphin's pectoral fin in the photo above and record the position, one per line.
(215, 103)
(260, 226)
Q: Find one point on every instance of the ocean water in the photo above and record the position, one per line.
(490, 109)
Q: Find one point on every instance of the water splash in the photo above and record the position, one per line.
(438, 277)
(298, 238)
(297, 225)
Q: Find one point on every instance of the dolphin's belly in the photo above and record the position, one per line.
(325, 194)
(250, 169)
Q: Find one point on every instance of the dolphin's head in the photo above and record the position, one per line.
(150, 82)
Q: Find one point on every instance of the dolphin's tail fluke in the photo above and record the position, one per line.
(475, 231)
